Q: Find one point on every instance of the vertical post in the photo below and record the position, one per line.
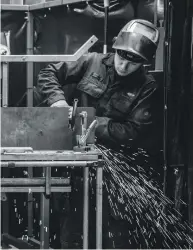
(99, 202)
(106, 7)
(85, 207)
(44, 227)
(155, 12)
(5, 207)
(30, 21)
(5, 88)
(29, 51)
(45, 210)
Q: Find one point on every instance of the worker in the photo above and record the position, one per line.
(117, 86)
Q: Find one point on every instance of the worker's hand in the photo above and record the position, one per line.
(60, 104)
(63, 104)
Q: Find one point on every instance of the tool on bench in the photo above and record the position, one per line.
(84, 132)
(74, 109)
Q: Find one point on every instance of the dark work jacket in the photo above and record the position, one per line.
(126, 107)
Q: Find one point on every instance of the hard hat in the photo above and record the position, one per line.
(139, 38)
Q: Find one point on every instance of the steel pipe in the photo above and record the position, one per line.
(31, 189)
(12, 182)
(45, 164)
(85, 207)
(99, 204)
(52, 58)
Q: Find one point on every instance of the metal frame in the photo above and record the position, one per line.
(44, 185)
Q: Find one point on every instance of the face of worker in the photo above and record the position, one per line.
(124, 67)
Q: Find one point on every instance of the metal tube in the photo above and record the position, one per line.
(30, 207)
(99, 202)
(30, 75)
(29, 51)
(52, 58)
(33, 189)
(5, 89)
(48, 180)
(106, 8)
(155, 12)
(45, 164)
(44, 226)
(12, 182)
(85, 207)
(8, 240)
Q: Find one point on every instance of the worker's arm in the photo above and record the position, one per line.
(52, 78)
(136, 125)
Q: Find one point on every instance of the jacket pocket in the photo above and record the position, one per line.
(92, 86)
(121, 102)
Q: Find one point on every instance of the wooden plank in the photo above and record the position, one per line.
(42, 128)
(15, 7)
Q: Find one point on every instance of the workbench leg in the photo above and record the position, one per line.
(30, 206)
(44, 222)
(85, 207)
(5, 85)
(99, 202)
(5, 205)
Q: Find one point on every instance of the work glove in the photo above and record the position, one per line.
(63, 104)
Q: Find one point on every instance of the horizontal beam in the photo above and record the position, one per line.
(7, 239)
(38, 6)
(45, 164)
(35, 189)
(33, 181)
(16, 7)
(35, 243)
(50, 155)
(38, 58)
(52, 58)
(52, 4)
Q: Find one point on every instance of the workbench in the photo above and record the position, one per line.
(17, 130)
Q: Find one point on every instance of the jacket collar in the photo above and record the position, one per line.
(109, 59)
(138, 75)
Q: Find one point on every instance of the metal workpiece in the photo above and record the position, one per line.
(83, 138)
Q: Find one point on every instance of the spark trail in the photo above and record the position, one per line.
(135, 196)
